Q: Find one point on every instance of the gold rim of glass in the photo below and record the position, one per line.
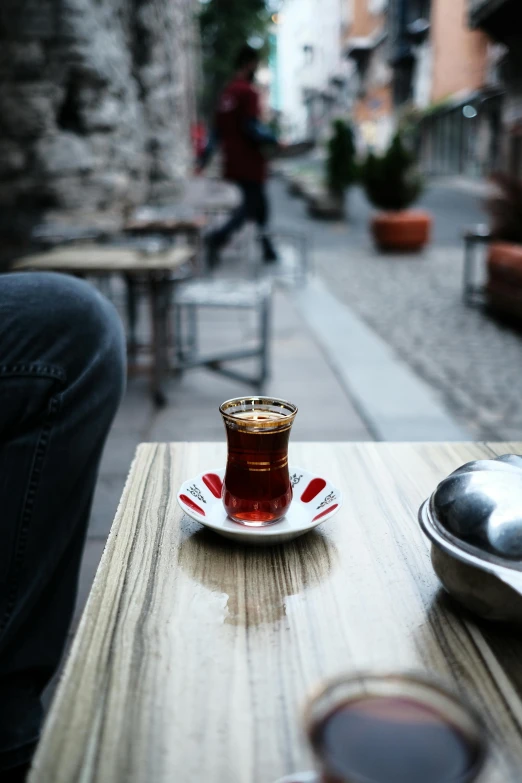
(230, 408)
(419, 687)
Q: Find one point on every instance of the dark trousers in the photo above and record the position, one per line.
(62, 370)
(254, 207)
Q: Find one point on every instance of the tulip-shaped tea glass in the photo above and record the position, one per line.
(394, 729)
(257, 489)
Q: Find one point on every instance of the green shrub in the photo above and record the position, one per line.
(341, 168)
(391, 180)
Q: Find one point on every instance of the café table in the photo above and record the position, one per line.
(194, 655)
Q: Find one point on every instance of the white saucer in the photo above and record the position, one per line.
(315, 500)
(300, 777)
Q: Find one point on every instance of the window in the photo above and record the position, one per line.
(419, 9)
(377, 6)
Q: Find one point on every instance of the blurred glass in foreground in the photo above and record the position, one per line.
(394, 729)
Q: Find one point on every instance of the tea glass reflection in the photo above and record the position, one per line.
(394, 729)
(257, 489)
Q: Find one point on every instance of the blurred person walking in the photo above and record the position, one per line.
(242, 136)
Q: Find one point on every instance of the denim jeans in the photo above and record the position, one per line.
(254, 207)
(62, 370)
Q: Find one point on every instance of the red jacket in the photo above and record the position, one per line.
(243, 159)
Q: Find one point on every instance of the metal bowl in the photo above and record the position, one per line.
(474, 521)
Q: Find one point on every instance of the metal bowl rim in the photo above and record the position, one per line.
(431, 530)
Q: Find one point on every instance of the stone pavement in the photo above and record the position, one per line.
(396, 404)
(414, 303)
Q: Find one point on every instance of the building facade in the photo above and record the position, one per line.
(452, 69)
(309, 72)
(461, 131)
(459, 55)
(501, 20)
(365, 45)
(444, 73)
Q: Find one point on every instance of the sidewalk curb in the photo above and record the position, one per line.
(475, 187)
(395, 404)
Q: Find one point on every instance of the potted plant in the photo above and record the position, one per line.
(504, 263)
(340, 163)
(392, 183)
(340, 172)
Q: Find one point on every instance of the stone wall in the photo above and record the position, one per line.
(94, 106)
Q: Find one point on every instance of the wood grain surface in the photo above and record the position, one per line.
(194, 656)
(100, 259)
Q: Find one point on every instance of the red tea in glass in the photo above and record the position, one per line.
(257, 489)
(394, 729)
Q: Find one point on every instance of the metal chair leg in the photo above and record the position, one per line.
(265, 341)
(158, 303)
(192, 329)
(132, 314)
(468, 267)
(178, 332)
(305, 255)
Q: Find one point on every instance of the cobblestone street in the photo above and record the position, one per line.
(415, 304)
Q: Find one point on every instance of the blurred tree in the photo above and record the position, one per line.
(341, 170)
(225, 26)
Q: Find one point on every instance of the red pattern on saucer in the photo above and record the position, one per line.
(325, 512)
(190, 503)
(214, 484)
(314, 487)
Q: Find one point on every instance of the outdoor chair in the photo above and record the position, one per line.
(195, 296)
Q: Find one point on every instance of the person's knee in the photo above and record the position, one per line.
(64, 322)
(95, 344)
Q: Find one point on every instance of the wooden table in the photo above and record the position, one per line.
(97, 259)
(189, 227)
(154, 268)
(194, 656)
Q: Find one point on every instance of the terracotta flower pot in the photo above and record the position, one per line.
(504, 281)
(407, 230)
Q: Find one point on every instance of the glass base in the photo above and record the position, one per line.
(255, 518)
